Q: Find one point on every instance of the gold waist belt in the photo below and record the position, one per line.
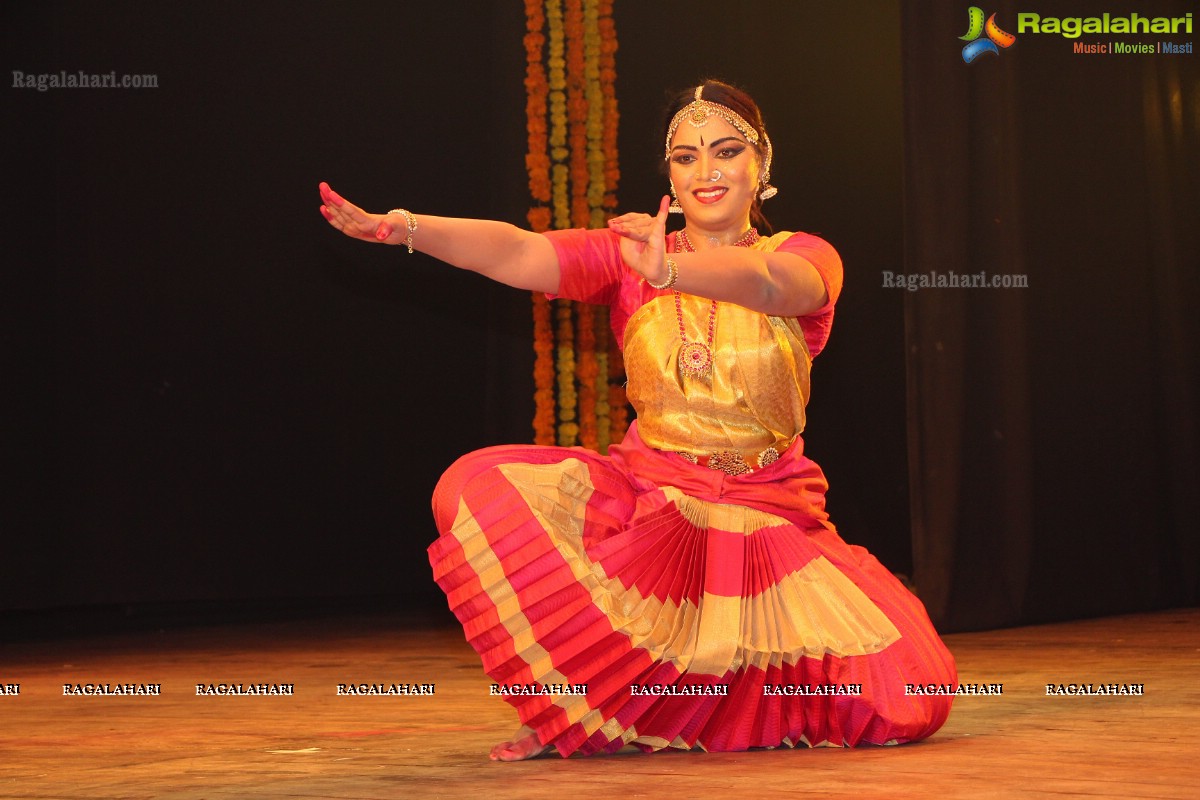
(734, 462)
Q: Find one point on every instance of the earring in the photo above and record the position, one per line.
(674, 208)
(768, 191)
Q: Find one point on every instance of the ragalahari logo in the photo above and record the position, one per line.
(976, 27)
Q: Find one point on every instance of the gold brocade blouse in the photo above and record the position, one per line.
(753, 398)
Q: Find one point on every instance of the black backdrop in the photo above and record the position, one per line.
(1053, 434)
(213, 398)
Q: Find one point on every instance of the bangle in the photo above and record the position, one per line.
(672, 276)
(410, 221)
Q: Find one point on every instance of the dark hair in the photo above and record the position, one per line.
(741, 103)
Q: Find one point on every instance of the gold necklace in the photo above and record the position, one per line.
(745, 240)
(696, 358)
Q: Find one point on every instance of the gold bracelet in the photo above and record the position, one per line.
(410, 221)
(672, 276)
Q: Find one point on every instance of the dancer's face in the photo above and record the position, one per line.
(715, 173)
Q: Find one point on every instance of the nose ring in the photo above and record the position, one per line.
(716, 176)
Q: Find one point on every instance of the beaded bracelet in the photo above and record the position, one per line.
(672, 276)
(410, 221)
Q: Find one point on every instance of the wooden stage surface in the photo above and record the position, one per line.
(316, 744)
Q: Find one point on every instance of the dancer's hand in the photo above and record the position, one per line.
(358, 224)
(643, 245)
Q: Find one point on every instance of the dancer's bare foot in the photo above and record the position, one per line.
(523, 745)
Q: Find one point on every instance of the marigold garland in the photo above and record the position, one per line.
(536, 89)
(577, 115)
(559, 152)
(608, 89)
(595, 115)
(543, 372)
(571, 114)
(537, 162)
(596, 190)
(568, 428)
(614, 380)
(588, 370)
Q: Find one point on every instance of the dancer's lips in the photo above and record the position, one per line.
(710, 195)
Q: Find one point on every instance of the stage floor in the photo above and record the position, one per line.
(317, 744)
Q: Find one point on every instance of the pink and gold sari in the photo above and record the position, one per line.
(692, 579)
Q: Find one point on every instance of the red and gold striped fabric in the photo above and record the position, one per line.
(700, 609)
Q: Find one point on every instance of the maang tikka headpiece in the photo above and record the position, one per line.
(697, 113)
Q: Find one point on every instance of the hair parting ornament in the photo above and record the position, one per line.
(696, 114)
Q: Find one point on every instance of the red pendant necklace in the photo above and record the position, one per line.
(696, 358)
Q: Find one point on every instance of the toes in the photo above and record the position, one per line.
(524, 748)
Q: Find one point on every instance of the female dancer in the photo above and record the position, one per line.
(688, 590)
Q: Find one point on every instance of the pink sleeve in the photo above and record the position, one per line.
(828, 264)
(589, 263)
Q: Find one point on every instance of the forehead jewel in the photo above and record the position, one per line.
(697, 114)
